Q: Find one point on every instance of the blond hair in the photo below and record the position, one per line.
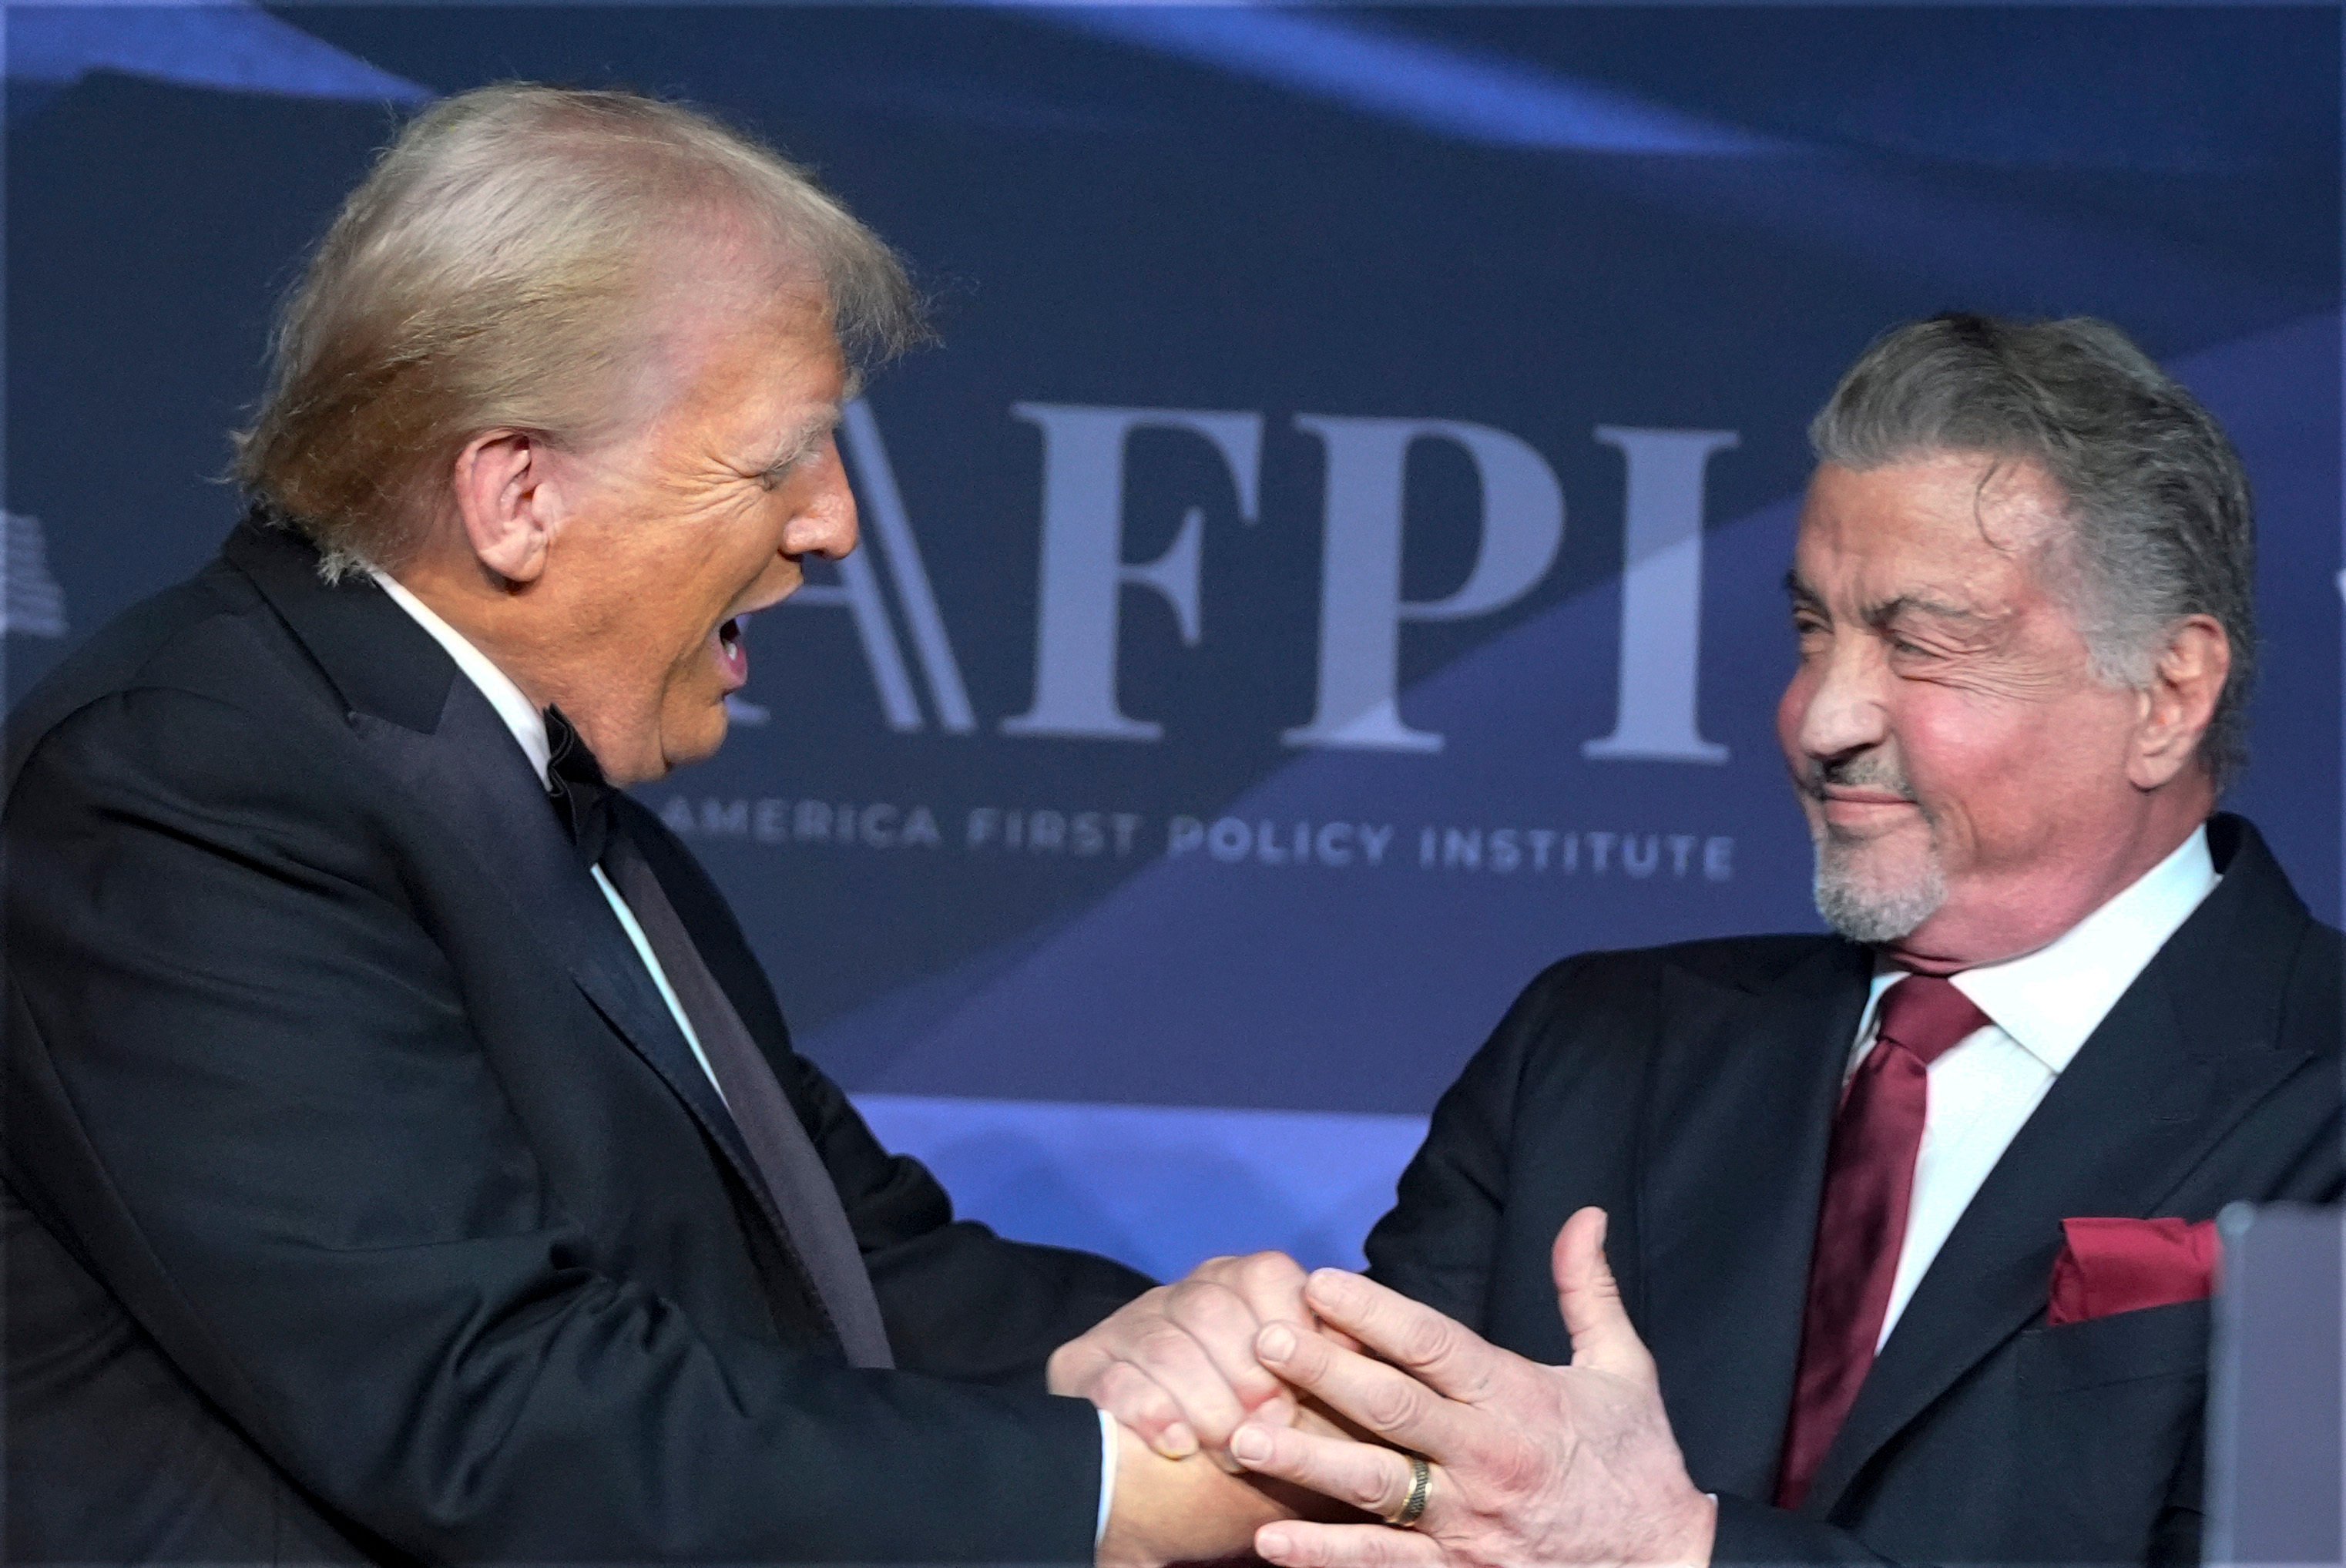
(495, 270)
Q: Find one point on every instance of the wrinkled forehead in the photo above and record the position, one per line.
(1956, 525)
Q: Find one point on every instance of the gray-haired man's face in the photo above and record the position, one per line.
(1973, 789)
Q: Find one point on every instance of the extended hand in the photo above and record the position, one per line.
(1530, 1463)
(1179, 1366)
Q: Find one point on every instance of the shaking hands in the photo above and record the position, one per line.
(1330, 1382)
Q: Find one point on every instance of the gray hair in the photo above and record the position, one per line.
(2157, 501)
(495, 271)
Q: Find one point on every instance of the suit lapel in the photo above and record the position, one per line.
(2185, 1053)
(1736, 1123)
(437, 735)
(471, 778)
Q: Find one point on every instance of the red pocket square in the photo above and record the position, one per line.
(2113, 1266)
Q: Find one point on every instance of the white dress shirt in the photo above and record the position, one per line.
(528, 725)
(2044, 1005)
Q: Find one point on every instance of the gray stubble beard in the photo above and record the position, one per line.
(1868, 914)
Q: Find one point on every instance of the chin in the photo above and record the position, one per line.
(695, 740)
(1872, 893)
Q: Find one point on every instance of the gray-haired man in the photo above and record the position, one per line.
(1890, 1245)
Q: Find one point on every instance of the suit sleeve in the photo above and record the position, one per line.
(243, 1080)
(959, 1301)
(1439, 1242)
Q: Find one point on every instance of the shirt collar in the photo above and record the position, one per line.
(2051, 1001)
(521, 715)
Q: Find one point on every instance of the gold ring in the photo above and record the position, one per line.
(1421, 1483)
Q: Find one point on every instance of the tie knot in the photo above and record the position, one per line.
(1926, 1016)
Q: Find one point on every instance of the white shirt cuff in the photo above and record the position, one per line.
(1107, 1475)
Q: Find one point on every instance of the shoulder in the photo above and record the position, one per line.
(203, 659)
(2253, 939)
(194, 714)
(2313, 1004)
(1593, 1020)
(1630, 975)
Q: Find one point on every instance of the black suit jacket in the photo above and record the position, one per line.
(1690, 1091)
(362, 1198)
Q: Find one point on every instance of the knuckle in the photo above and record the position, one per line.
(1391, 1406)
(1273, 1268)
(1081, 1372)
(1161, 1345)
(1127, 1325)
(1210, 1306)
(1311, 1358)
(1132, 1399)
(1428, 1341)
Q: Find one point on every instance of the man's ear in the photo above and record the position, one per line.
(508, 502)
(2180, 699)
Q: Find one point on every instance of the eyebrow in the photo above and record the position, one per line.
(803, 439)
(1889, 610)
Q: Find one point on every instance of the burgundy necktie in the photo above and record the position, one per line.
(1868, 1184)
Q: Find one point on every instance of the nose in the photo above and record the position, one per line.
(826, 523)
(1835, 706)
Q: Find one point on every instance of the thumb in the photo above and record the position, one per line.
(1603, 1339)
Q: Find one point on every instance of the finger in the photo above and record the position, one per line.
(1446, 1354)
(1589, 1298)
(1271, 1284)
(1293, 1544)
(1132, 1396)
(1170, 1358)
(1372, 1479)
(1224, 1325)
(1385, 1400)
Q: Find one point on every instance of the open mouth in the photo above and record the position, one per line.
(732, 654)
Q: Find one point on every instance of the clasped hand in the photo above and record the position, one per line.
(1250, 1358)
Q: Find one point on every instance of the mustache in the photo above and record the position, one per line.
(1864, 771)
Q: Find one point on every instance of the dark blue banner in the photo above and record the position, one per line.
(1331, 567)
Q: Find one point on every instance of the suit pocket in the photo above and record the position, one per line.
(2108, 1425)
(2168, 1341)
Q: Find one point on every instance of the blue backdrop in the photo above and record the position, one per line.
(1330, 568)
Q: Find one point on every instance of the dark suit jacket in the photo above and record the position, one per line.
(362, 1198)
(1690, 1090)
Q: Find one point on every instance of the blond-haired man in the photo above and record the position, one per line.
(407, 1159)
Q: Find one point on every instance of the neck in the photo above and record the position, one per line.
(1993, 920)
(492, 614)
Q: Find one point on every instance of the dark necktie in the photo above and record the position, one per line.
(785, 1157)
(1869, 1185)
